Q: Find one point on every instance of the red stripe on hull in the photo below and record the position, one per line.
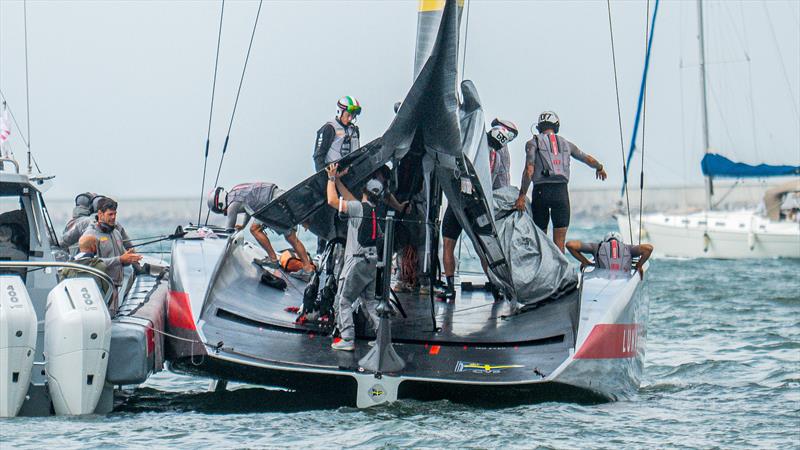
(179, 311)
(610, 341)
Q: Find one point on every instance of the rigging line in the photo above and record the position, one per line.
(780, 57)
(466, 36)
(619, 122)
(236, 102)
(27, 89)
(749, 82)
(647, 32)
(210, 114)
(13, 118)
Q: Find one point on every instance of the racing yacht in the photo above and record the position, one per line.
(556, 335)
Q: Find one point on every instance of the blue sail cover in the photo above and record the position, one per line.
(719, 166)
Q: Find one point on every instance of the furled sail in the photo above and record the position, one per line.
(718, 166)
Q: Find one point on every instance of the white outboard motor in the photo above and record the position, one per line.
(17, 343)
(77, 336)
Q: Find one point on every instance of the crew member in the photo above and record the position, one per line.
(256, 196)
(612, 254)
(82, 217)
(110, 247)
(498, 137)
(87, 256)
(364, 232)
(547, 165)
(338, 137)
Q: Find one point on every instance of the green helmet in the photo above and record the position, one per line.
(349, 104)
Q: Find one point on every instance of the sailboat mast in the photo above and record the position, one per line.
(704, 103)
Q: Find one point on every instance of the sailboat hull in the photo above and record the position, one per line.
(720, 235)
(238, 329)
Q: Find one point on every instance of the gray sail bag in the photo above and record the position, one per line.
(539, 270)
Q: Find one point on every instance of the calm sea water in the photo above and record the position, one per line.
(722, 370)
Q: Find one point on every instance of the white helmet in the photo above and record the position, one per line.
(548, 120)
(218, 200)
(501, 133)
(613, 235)
(512, 128)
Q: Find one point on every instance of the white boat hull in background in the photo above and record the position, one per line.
(715, 234)
(77, 339)
(17, 343)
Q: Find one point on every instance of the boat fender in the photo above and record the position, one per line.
(17, 343)
(76, 344)
(272, 281)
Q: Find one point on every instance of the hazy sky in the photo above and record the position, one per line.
(120, 91)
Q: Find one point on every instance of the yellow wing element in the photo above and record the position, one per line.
(434, 5)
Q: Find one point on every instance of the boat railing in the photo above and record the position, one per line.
(65, 265)
(5, 160)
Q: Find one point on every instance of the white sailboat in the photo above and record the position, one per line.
(771, 231)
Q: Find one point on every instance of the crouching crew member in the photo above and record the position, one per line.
(501, 133)
(110, 247)
(256, 196)
(612, 254)
(547, 165)
(364, 236)
(87, 256)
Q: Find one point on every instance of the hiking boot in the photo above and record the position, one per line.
(267, 262)
(302, 274)
(343, 345)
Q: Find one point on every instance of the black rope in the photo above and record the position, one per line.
(644, 126)
(619, 122)
(236, 102)
(210, 114)
(27, 90)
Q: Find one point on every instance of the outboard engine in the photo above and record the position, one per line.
(17, 343)
(76, 343)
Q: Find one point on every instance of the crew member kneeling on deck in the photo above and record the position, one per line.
(612, 253)
(547, 165)
(110, 246)
(256, 196)
(364, 236)
(498, 137)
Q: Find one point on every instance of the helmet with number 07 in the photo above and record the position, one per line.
(613, 235)
(349, 104)
(218, 200)
(548, 120)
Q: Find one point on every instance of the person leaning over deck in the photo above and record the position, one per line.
(87, 256)
(256, 196)
(498, 137)
(364, 233)
(612, 253)
(110, 246)
(547, 165)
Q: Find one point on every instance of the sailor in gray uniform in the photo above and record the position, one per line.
(612, 254)
(364, 236)
(547, 165)
(82, 217)
(256, 196)
(498, 137)
(110, 246)
(338, 137)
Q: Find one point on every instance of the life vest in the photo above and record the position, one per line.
(553, 158)
(254, 195)
(290, 262)
(614, 255)
(345, 140)
(370, 232)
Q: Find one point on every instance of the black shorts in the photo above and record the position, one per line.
(451, 229)
(550, 200)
